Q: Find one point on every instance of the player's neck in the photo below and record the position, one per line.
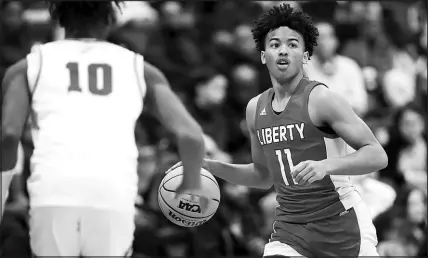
(91, 34)
(284, 90)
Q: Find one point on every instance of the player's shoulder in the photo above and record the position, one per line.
(252, 104)
(52, 48)
(119, 48)
(116, 48)
(324, 102)
(321, 94)
(48, 45)
(251, 109)
(18, 68)
(17, 71)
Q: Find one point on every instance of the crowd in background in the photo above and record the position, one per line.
(373, 53)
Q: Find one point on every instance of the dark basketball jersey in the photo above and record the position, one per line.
(289, 138)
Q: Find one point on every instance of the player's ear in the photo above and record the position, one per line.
(305, 57)
(262, 57)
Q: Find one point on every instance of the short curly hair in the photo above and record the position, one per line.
(79, 15)
(285, 15)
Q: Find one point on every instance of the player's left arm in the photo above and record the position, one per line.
(328, 108)
(15, 110)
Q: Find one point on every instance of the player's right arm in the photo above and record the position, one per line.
(254, 175)
(15, 110)
(162, 102)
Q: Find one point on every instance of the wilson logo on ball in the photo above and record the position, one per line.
(186, 222)
(189, 207)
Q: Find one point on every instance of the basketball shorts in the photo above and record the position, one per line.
(80, 231)
(351, 234)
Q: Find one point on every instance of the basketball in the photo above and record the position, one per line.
(184, 211)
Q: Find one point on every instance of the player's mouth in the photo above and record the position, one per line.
(282, 63)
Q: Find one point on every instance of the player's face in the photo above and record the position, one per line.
(411, 125)
(327, 41)
(284, 54)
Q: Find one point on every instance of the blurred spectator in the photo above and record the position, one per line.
(398, 87)
(340, 73)
(14, 41)
(372, 53)
(407, 149)
(137, 13)
(206, 103)
(401, 228)
(370, 47)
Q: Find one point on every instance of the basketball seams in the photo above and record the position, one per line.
(172, 191)
(211, 179)
(169, 179)
(163, 185)
(215, 182)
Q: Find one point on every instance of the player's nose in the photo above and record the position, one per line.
(282, 50)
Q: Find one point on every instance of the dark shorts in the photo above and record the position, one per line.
(351, 234)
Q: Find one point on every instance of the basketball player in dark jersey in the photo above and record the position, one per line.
(300, 132)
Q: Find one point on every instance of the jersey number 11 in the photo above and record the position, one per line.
(106, 85)
(279, 155)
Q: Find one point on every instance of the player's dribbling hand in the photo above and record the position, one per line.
(309, 171)
(195, 193)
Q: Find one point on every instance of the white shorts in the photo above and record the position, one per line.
(6, 180)
(80, 231)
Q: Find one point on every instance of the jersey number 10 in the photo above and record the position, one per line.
(279, 155)
(106, 85)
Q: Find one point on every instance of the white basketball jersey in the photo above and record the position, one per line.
(87, 97)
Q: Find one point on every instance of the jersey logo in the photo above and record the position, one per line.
(263, 112)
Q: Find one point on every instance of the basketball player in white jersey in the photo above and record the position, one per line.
(84, 96)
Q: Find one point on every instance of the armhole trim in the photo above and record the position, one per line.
(39, 72)
(32, 87)
(139, 73)
(309, 89)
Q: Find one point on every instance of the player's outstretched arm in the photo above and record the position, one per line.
(255, 174)
(328, 108)
(15, 110)
(162, 102)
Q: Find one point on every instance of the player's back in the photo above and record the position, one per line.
(86, 98)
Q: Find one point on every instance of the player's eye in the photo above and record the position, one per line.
(275, 45)
(292, 45)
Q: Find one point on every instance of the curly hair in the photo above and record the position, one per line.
(285, 15)
(75, 15)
